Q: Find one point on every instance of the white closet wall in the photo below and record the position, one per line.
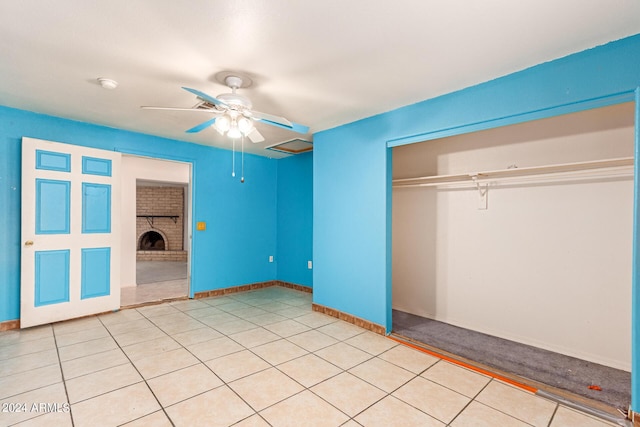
(548, 263)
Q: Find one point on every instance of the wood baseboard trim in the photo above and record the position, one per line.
(9, 325)
(234, 289)
(251, 287)
(635, 418)
(365, 324)
(289, 285)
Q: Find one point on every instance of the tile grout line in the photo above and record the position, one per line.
(555, 411)
(342, 371)
(7, 358)
(305, 388)
(278, 369)
(387, 393)
(141, 376)
(494, 378)
(82, 342)
(473, 399)
(352, 418)
(390, 394)
(497, 380)
(50, 326)
(224, 383)
(64, 381)
(262, 370)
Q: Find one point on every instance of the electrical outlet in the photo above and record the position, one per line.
(309, 265)
(270, 258)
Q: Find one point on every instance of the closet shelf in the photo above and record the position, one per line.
(424, 181)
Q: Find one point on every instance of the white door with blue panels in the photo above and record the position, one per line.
(70, 265)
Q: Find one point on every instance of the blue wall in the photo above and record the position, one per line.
(295, 219)
(351, 181)
(241, 218)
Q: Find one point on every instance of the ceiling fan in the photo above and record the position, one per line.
(234, 112)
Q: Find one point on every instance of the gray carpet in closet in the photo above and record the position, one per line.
(557, 370)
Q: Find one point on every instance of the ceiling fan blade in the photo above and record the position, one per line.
(201, 126)
(294, 126)
(208, 110)
(257, 115)
(206, 97)
(255, 136)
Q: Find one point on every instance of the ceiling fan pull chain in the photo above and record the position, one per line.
(242, 178)
(233, 158)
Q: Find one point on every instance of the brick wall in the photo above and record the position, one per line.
(176, 256)
(161, 201)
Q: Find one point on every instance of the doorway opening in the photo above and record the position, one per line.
(158, 218)
(161, 258)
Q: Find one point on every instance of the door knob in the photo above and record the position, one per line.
(28, 243)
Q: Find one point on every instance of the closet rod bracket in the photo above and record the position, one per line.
(482, 192)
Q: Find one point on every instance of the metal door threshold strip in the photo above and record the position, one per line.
(604, 415)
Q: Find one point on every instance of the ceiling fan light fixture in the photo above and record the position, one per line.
(234, 114)
(222, 124)
(244, 125)
(233, 127)
(234, 132)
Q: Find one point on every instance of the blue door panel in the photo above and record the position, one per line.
(96, 208)
(52, 206)
(96, 166)
(50, 160)
(96, 272)
(52, 277)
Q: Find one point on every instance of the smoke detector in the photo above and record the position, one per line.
(107, 83)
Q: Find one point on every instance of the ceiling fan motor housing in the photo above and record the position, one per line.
(234, 82)
(235, 100)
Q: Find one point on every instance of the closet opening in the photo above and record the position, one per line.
(512, 248)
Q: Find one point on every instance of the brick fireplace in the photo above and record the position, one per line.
(160, 224)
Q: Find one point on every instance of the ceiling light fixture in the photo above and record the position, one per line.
(107, 83)
(233, 124)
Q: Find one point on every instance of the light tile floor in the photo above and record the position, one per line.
(156, 281)
(150, 292)
(253, 359)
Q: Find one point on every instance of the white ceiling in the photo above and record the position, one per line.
(318, 63)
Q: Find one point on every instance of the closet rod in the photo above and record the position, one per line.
(515, 172)
(619, 173)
